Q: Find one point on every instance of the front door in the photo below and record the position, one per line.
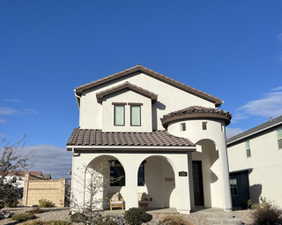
(198, 183)
(239, 185)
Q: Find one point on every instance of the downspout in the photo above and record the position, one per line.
(77, 98)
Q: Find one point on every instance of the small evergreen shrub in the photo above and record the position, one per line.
(44, 203)
(174, 220)
(137, 216)
(21, 217)
(267, 214)
(78, 218)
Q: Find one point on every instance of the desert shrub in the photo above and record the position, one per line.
(108, 220)
(78, 218)
(267, 214)
(137, 216)
(174, 220)
(44, 203)
(20, 217)
(53, 222)
(37, 222)
(58, 222)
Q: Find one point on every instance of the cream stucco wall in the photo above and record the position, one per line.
(94, 115)
(215, 171)
(127, 97)
(265, 162)
(169, 99)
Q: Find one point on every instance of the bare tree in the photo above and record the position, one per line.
(10, 161)
(95, 188)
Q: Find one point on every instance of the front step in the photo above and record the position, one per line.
(214, 218)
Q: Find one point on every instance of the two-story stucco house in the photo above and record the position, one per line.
(255, 158)
(143, 133)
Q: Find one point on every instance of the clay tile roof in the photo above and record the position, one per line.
(95, 137)
(139, 68)
(125, 86)
(275, 122)
(196, 112)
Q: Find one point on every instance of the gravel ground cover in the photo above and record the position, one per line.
(198, 218)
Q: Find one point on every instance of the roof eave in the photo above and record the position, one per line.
(235, 140)
(139, 68)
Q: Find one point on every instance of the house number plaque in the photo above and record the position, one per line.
(182, 173)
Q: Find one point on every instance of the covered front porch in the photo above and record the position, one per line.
(149, 180)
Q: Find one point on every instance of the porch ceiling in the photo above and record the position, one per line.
(95, 137)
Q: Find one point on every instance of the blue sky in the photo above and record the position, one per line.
(230, 49)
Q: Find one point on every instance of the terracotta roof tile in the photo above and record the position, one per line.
(196, 112)
(95, 137)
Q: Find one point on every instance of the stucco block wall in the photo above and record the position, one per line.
(52, 190)
(266, 164)
(169, 99)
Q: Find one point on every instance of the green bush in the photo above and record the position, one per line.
(174, 220)
(267, 214)
(53, 222)
(44, 203)
(78, 218)
(137, 216)
(21, 217)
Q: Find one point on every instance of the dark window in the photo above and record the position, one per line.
(248, 149)
(183, 126)
(135, 115)
(204, 125)
(280, 143)
(141, 174)
(234, 186)
(119, 115)
(279, 134)
(117, 175)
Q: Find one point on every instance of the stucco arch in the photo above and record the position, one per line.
(159, 185)
(98, 183)
(207, 153)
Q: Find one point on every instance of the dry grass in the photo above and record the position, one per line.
(174, 220)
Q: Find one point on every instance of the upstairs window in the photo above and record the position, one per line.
(204, 125)
(135, 114)
(248, 149)
(183, 126)
(279, 136)
(119, 115)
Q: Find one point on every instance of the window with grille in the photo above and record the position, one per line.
(279, 136)
(248, 149)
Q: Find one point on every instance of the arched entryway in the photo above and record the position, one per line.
(104, 176)
(203, 173)
(156, 182)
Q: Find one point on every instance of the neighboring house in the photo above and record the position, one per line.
(144, 134)
(19, 176)
(255, 162)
